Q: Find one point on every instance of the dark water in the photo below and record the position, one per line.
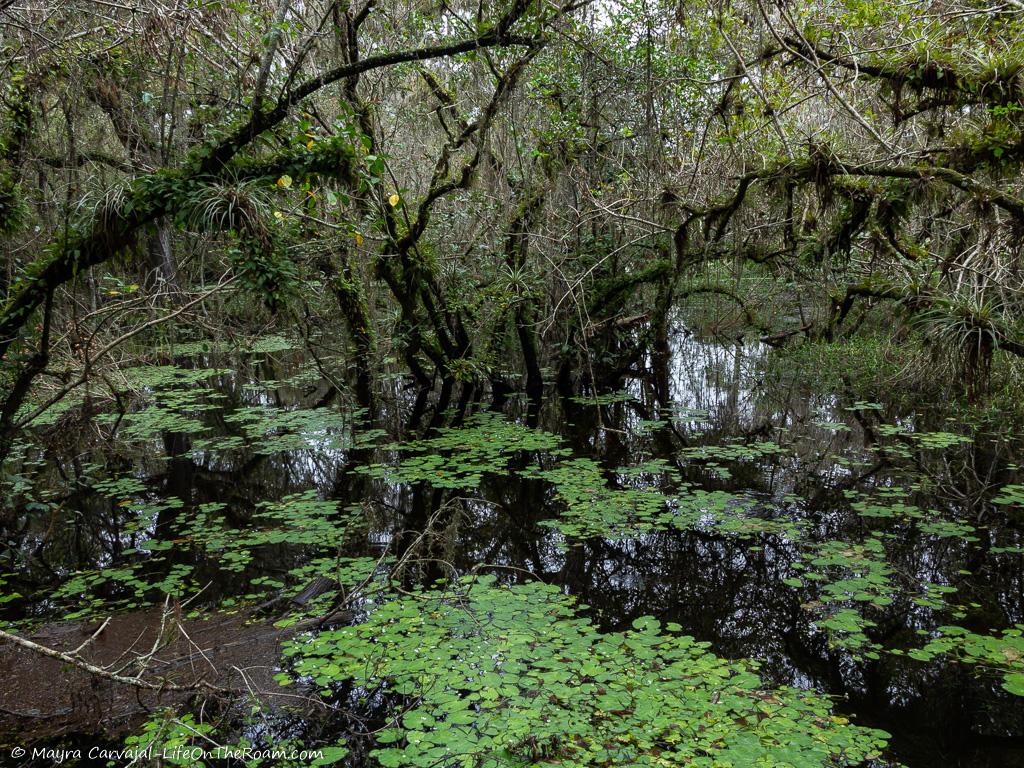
(794, 450)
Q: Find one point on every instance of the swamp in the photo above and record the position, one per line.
(512, 383)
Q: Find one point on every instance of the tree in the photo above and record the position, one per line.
(202, 173)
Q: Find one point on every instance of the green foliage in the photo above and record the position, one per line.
(168, 738)
(1003, 652)
(166, 734)
(847, 576)
(604, 399)
(17, 98)
(866, 364)
(267, 430)
(927, 521)
(1012, 494)
(176, 403)
(594, 508)
(629, 501)
(458, 458)
(296, 521)
(13, 211)
(656, 161)
(497, 676)
(710, 456)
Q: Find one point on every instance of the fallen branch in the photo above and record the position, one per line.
(777, 339)
(92, 669)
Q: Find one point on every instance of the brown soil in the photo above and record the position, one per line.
(42, 698)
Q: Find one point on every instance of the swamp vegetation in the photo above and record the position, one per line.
(516, 383)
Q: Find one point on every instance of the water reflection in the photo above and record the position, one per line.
(719, 415)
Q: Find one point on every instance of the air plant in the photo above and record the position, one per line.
(242, 210)
(966, 329)
(239, 207)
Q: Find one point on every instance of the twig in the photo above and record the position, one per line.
(95, 634)
(106, 674)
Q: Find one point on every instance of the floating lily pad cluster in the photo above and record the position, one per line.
(457, 458)
(483, 675)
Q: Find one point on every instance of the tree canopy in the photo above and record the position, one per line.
(451, 202)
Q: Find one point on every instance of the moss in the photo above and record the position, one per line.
(12, 207)
(609, 293)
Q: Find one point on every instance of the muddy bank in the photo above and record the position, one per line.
(43, 699)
